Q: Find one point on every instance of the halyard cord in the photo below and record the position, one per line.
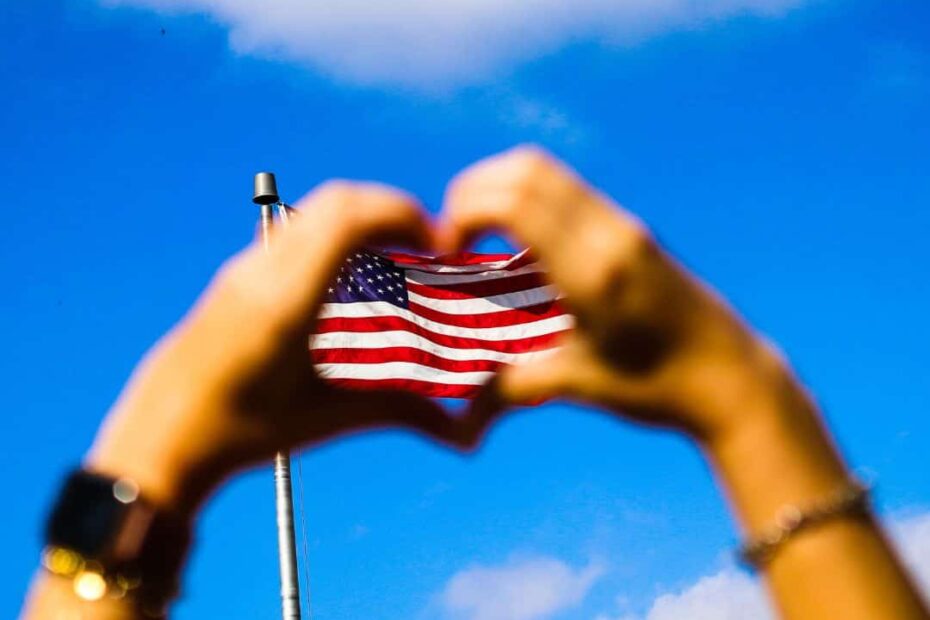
(303, 534)
(284, 211)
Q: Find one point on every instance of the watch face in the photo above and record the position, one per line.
(86, 515)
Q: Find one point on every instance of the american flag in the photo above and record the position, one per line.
(435, 326)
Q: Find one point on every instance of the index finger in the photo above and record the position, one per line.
(540, 202)
(507, 192)
(287, 283)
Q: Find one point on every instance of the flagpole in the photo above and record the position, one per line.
(266, 196)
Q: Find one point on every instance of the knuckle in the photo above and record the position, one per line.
(528, 164)
(335, 209)
(334, 194)
(601, 282)
(459, 194)
(640, 243)
(774, 358)
(405, 208)
(231, 271)
(334, 190)
(607, 278)
(516, 204)
(238, 283)
(530, 156)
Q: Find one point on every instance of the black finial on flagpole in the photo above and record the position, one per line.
(266, 189)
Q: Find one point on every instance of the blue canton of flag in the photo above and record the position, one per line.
(367, 277)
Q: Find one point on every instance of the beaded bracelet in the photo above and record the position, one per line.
(851, 499)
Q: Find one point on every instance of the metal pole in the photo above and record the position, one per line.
(266, 195)
(287, 546)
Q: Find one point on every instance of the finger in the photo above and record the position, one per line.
(493, 193)
(567, 373)
(586, 243)
(339, 216)
(287, 284)
(528, 384)
(535, 199)
(483, 411)
(471, 213)
(538, 381)
(378, 409)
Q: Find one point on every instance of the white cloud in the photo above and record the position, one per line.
(440, 44)
(537, 588)
(524, 589)
(728, 595)
(733, 595)
(912, 537)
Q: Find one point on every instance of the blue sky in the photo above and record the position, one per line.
(780, 148)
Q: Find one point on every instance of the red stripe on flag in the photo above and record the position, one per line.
(465, 259)
(394, 323)
(470, 290)
(451, 260)
(424, 388)
(401, 354)
(410, 342)
(503, 318)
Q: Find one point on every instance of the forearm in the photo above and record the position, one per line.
(841, 568)
(53, 597)
(127, 449)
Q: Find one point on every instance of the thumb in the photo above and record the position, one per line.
(545, 378)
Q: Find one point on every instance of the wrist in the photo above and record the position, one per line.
(158, 456)
(110, 541)
(777, 451)
(161, 483)
(754, 394)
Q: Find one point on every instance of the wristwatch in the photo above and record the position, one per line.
(104, 536)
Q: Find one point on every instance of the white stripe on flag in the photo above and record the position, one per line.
(440, 268)
(389, 339)
(484, 305)
(368, 309)
(439, 279)
(401, 370)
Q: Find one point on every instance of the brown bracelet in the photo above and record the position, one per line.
(850, 500)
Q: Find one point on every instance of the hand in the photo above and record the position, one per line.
(656, 344)
(651, 340)
(234, 381)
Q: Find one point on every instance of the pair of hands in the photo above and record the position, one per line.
(234, 381)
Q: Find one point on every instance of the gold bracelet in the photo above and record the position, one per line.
(89, 579)
(851, 499)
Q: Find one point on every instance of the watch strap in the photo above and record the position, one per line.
(103, 525)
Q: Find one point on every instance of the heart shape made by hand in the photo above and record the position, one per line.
(646, 330)
(649, 340)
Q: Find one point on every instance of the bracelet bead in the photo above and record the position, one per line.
(850, 500)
